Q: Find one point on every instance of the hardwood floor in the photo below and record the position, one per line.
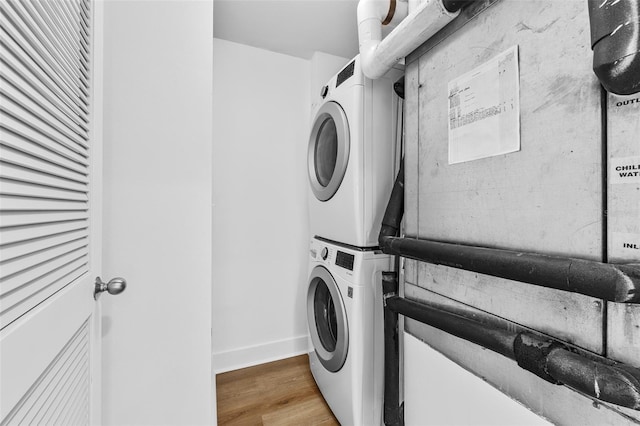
(278, 393)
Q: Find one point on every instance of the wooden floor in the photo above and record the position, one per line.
(278, 393)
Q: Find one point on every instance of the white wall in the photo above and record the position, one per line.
(260, 219)
(439, 392)
(157, 212)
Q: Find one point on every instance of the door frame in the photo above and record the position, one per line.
(96, 205)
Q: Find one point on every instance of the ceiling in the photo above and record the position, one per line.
(292, 27)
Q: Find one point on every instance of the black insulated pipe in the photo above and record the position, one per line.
(453, 6)
(393, 412)
(398, 87)
(395, 209)
(497, 340)
(392, 409)
(549, 359)
(615, 41)
(616, 383)
(614, 283)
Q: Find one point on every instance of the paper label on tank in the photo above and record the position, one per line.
(625, 246)
(484, 110)
(624, 170)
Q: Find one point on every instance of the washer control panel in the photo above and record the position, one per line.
(321, 251)
(345, 260)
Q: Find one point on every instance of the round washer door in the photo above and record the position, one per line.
(328, 153)
(327, 319)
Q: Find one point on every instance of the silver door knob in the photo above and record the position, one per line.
(114, 286)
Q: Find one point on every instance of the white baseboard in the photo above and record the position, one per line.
(260, 354)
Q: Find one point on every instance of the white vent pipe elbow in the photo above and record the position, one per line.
(377, 56)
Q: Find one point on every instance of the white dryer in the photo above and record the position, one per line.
(345, 318)
(352, 147)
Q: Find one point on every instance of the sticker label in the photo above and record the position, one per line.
(624, 170)
(625, 246)
(622, 101)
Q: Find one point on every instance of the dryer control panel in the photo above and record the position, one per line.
(331, 255)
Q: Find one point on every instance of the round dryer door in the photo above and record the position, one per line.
(327, 319)
(328, 150)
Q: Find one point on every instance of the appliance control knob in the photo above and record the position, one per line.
(324, 91)
(324, 253)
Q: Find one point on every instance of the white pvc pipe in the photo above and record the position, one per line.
(378, 56)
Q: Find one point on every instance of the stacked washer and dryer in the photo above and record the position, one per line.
(352, 160)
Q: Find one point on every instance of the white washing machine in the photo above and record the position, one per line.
(345, 318)
(351, 156)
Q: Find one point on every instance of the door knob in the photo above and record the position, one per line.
(114, 286)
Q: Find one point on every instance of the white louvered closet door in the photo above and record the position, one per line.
(49, 321)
